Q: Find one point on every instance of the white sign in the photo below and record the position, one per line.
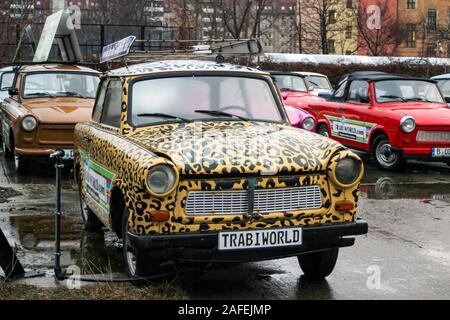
(117, 49)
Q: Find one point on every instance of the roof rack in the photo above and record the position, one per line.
(154, 50)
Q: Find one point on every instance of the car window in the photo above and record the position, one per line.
(340, 91)
(98, 108)
(318, 82)
(60, 84)
(112, 107)
(406, 90)
(183, 96)
(7, 80)
(445, 87)
(359, 91)
(290, 83)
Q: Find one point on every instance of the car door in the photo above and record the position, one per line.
(329, 112)
(97, 173)
(353, 129)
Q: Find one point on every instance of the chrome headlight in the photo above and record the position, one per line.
(161, 180)
(408, 124)
(309, 123)
(29, 123)
(347, 172)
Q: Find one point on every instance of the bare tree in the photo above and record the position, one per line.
(379, 36)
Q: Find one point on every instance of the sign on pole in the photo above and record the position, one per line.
(117, 49)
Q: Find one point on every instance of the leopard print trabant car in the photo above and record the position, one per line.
(233, 161)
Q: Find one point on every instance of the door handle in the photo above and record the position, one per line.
(87, 138)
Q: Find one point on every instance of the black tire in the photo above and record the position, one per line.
(9, 155)
(138, 262)
(21, 163)
(322, 129)
(318, 265)
(91, 222)
(384, 158)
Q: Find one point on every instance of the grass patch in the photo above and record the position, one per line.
(9, 291)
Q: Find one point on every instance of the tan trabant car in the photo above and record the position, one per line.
(45, 104)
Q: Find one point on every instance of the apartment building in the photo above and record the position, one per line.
(425, 28)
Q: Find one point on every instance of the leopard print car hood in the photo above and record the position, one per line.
(237, 148)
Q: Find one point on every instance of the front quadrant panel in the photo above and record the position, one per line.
(98, 182)
(358, 131)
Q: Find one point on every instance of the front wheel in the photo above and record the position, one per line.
(323, 130)
(318, 265)
(6, 152)
(91, 221)
(138, 262)
(21, 163)
(384, 157)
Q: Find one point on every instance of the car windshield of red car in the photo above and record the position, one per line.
(318, 82)
(290, 83)
(185, 96)
(445, 87)
(407, 91)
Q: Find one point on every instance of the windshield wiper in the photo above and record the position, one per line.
(393, 97)
(216, 113)
(163, 115)
(70, 94)
(41, 94)
(419, 99)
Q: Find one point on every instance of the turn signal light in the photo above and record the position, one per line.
(160, 216)
(344, 206)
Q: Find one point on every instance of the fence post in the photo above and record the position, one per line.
(142, 38)
(8, 260)
(102, 37)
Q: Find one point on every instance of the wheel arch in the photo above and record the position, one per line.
(117, 205)
(375, 134)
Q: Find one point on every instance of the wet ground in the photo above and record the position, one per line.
(406, 254)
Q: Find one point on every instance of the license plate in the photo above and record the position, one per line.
(441, 153)
(260, 239)
(68, 155)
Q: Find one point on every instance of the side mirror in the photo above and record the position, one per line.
(447, 99)
(13, 92)
(284, 95)
(325, 95)
(310, 89)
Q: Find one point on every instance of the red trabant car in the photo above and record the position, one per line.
(295, 90)
(393, 117)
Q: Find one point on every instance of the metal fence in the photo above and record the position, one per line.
(92, 38)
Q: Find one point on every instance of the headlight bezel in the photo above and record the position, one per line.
(28, 129)
(404, 121)
(334, 167)
(313, 123)
(162, 168)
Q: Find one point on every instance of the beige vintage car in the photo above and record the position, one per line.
(45, 103)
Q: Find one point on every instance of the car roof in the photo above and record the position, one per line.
(379, 76)
(310, 74)
(56, 67)
(180, 66)
(442, 77)
(285, 73)
(6, 69)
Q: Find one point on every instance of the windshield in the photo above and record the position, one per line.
(318, 82)
(445, 87)
(290, 83)
(7, 80)
(202, 98)
(407, 91)
(65, 84)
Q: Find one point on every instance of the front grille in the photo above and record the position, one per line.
(55, 135)
(265, 201)
(433, 136)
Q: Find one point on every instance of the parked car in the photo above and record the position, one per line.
(301, 119)
(444, 84)
(6, 81)
(319, 83)
(393, 117)
(294, 89)
(183, 161)
(45, 103)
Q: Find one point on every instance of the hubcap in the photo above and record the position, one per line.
(84, 209)
(324, 132)
(16, 161)
(130, 256)
(385, 155)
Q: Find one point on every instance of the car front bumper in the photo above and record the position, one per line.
(203, 247)
(421, 154)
